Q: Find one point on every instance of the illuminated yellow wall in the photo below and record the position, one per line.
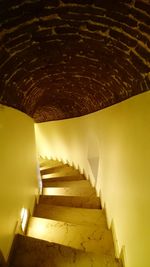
(119, 139)
(18, 184)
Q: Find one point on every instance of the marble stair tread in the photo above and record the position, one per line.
(62, 173)
(87, 238)
(73, 215)
(32, 252)
(69, 188)
(72, 201)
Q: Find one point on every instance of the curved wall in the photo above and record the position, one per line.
(113, 147)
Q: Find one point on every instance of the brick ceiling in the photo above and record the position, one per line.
(62, 58)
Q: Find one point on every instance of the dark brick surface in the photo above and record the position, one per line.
(143, 6)
(62, 59)
(138, 63)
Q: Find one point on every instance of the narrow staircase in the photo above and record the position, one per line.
(68, 227)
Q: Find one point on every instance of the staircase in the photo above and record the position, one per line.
(68, 227)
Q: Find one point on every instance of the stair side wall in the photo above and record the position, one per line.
(17, 172)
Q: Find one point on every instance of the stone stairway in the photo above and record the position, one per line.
(68, 227)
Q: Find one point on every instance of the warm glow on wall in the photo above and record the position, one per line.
(51, 149)
(43, 144)
(24, 219)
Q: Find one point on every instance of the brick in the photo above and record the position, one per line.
(123, 38)
(82, 2)
(93, 27)
(51, 23)
(122, 8)
(74, 16)
(17, 21)
(138, 63)
(118, 44)
(10, 65)
(118, 52)
(91, 10)
(30, 8)
(105, 4)
(94, 36)
(43, 35)
(3, 55)
(65, 30)
(127, 1)
(144, 53)
(144, 28)
(5, 5)
(140, 16)
(20, 39)
(147, 80)
(106, 21)
(129, 68)
(74, 23)
(52, 3)
(20, 48)
(143, 6)
(122, 18)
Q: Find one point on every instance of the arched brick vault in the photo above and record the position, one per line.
(66, 58)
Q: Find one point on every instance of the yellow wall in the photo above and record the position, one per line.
(18, 184)
(119, 137)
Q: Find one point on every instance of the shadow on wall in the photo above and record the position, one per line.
(93, 157)
(2, 260)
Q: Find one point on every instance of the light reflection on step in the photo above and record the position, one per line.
(91, 239)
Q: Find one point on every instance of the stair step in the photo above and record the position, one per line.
(70, 188)
(33, 252)
(50, 161)
(87, 238)
(42, 160)
(50, 164)
(53, 169)
(63, 178)
(71, 184)
(68, 172)
(72, 201)
(72, 215)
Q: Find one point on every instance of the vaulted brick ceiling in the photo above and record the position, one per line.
(63, 58)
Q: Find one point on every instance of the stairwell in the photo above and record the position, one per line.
(68, 227)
